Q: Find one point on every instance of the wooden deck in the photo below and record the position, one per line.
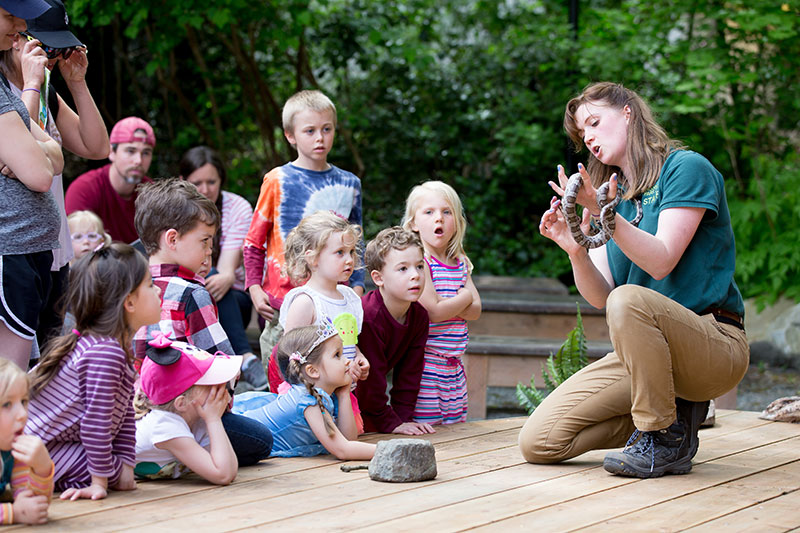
(746, 478)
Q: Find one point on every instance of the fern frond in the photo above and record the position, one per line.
(551, 374)
(528, 397)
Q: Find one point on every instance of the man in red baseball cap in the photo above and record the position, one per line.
(110, 191)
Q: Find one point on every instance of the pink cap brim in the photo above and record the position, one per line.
(223, 369)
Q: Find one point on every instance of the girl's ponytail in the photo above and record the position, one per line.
(48, 366)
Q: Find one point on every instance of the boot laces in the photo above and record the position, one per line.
(642, 442)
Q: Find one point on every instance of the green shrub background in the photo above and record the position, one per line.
(470, 92)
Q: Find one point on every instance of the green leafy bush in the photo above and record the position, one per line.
(570, 358)
(470, 92)
(764, 219)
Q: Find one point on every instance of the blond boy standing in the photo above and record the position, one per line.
(290, 192)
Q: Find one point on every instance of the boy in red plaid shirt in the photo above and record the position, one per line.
(176, 225)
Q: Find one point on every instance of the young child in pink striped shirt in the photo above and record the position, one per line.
(24, 461)
(434, 211)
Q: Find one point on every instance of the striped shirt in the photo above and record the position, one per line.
(90, 402)
(447, 338)
(442, 397)
(236, 217)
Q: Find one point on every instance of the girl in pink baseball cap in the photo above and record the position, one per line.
(179, 410)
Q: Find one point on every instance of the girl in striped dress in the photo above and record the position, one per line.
(434, 211)
(82, 389)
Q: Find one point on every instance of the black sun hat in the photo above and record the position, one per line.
(52, 27)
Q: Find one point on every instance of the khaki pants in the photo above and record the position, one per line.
(661, 350)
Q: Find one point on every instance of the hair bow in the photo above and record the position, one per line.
(160, 340)
(297, 356)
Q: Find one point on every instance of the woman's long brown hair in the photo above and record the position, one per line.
(647, 146)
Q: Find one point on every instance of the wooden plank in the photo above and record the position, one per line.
(151, 491)
(458, 431)
(777, 514)
(158, 490)
(254, 504)
(604, 505)
(705, 505)
(287, 486)
(736, 441)
(559, 494)
(370, 507)
(483, 482)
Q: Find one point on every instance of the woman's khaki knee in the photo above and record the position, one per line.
(621, 300)
(533, 444)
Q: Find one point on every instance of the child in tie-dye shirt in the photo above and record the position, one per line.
(288, 194)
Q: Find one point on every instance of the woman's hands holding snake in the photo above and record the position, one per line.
(587, 195)
(554, 226)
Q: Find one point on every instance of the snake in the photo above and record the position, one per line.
(597, 237)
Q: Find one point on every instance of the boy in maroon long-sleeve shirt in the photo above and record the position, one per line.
(394, 332)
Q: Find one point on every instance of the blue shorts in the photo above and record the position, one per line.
(25, 284)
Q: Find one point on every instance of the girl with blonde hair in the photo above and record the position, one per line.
(435, 213)
(321, 255)
(86, 232)
(25, 465)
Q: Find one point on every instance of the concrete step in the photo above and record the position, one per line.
(511, 360)
(504, 361)
(537, 315)
(514, 285)
(500, 361)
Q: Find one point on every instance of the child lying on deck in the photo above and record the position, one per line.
(302, 420)
(183, 397)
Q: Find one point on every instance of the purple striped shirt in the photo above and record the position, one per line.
(90, 401)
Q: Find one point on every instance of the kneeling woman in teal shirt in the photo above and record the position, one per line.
(673, 308)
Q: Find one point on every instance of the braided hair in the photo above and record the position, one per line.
(301, 341)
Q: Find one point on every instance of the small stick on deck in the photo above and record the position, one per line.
(349, 468)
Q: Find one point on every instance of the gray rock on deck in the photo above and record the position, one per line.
(403, 460)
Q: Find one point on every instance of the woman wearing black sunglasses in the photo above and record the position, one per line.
(27, 65)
